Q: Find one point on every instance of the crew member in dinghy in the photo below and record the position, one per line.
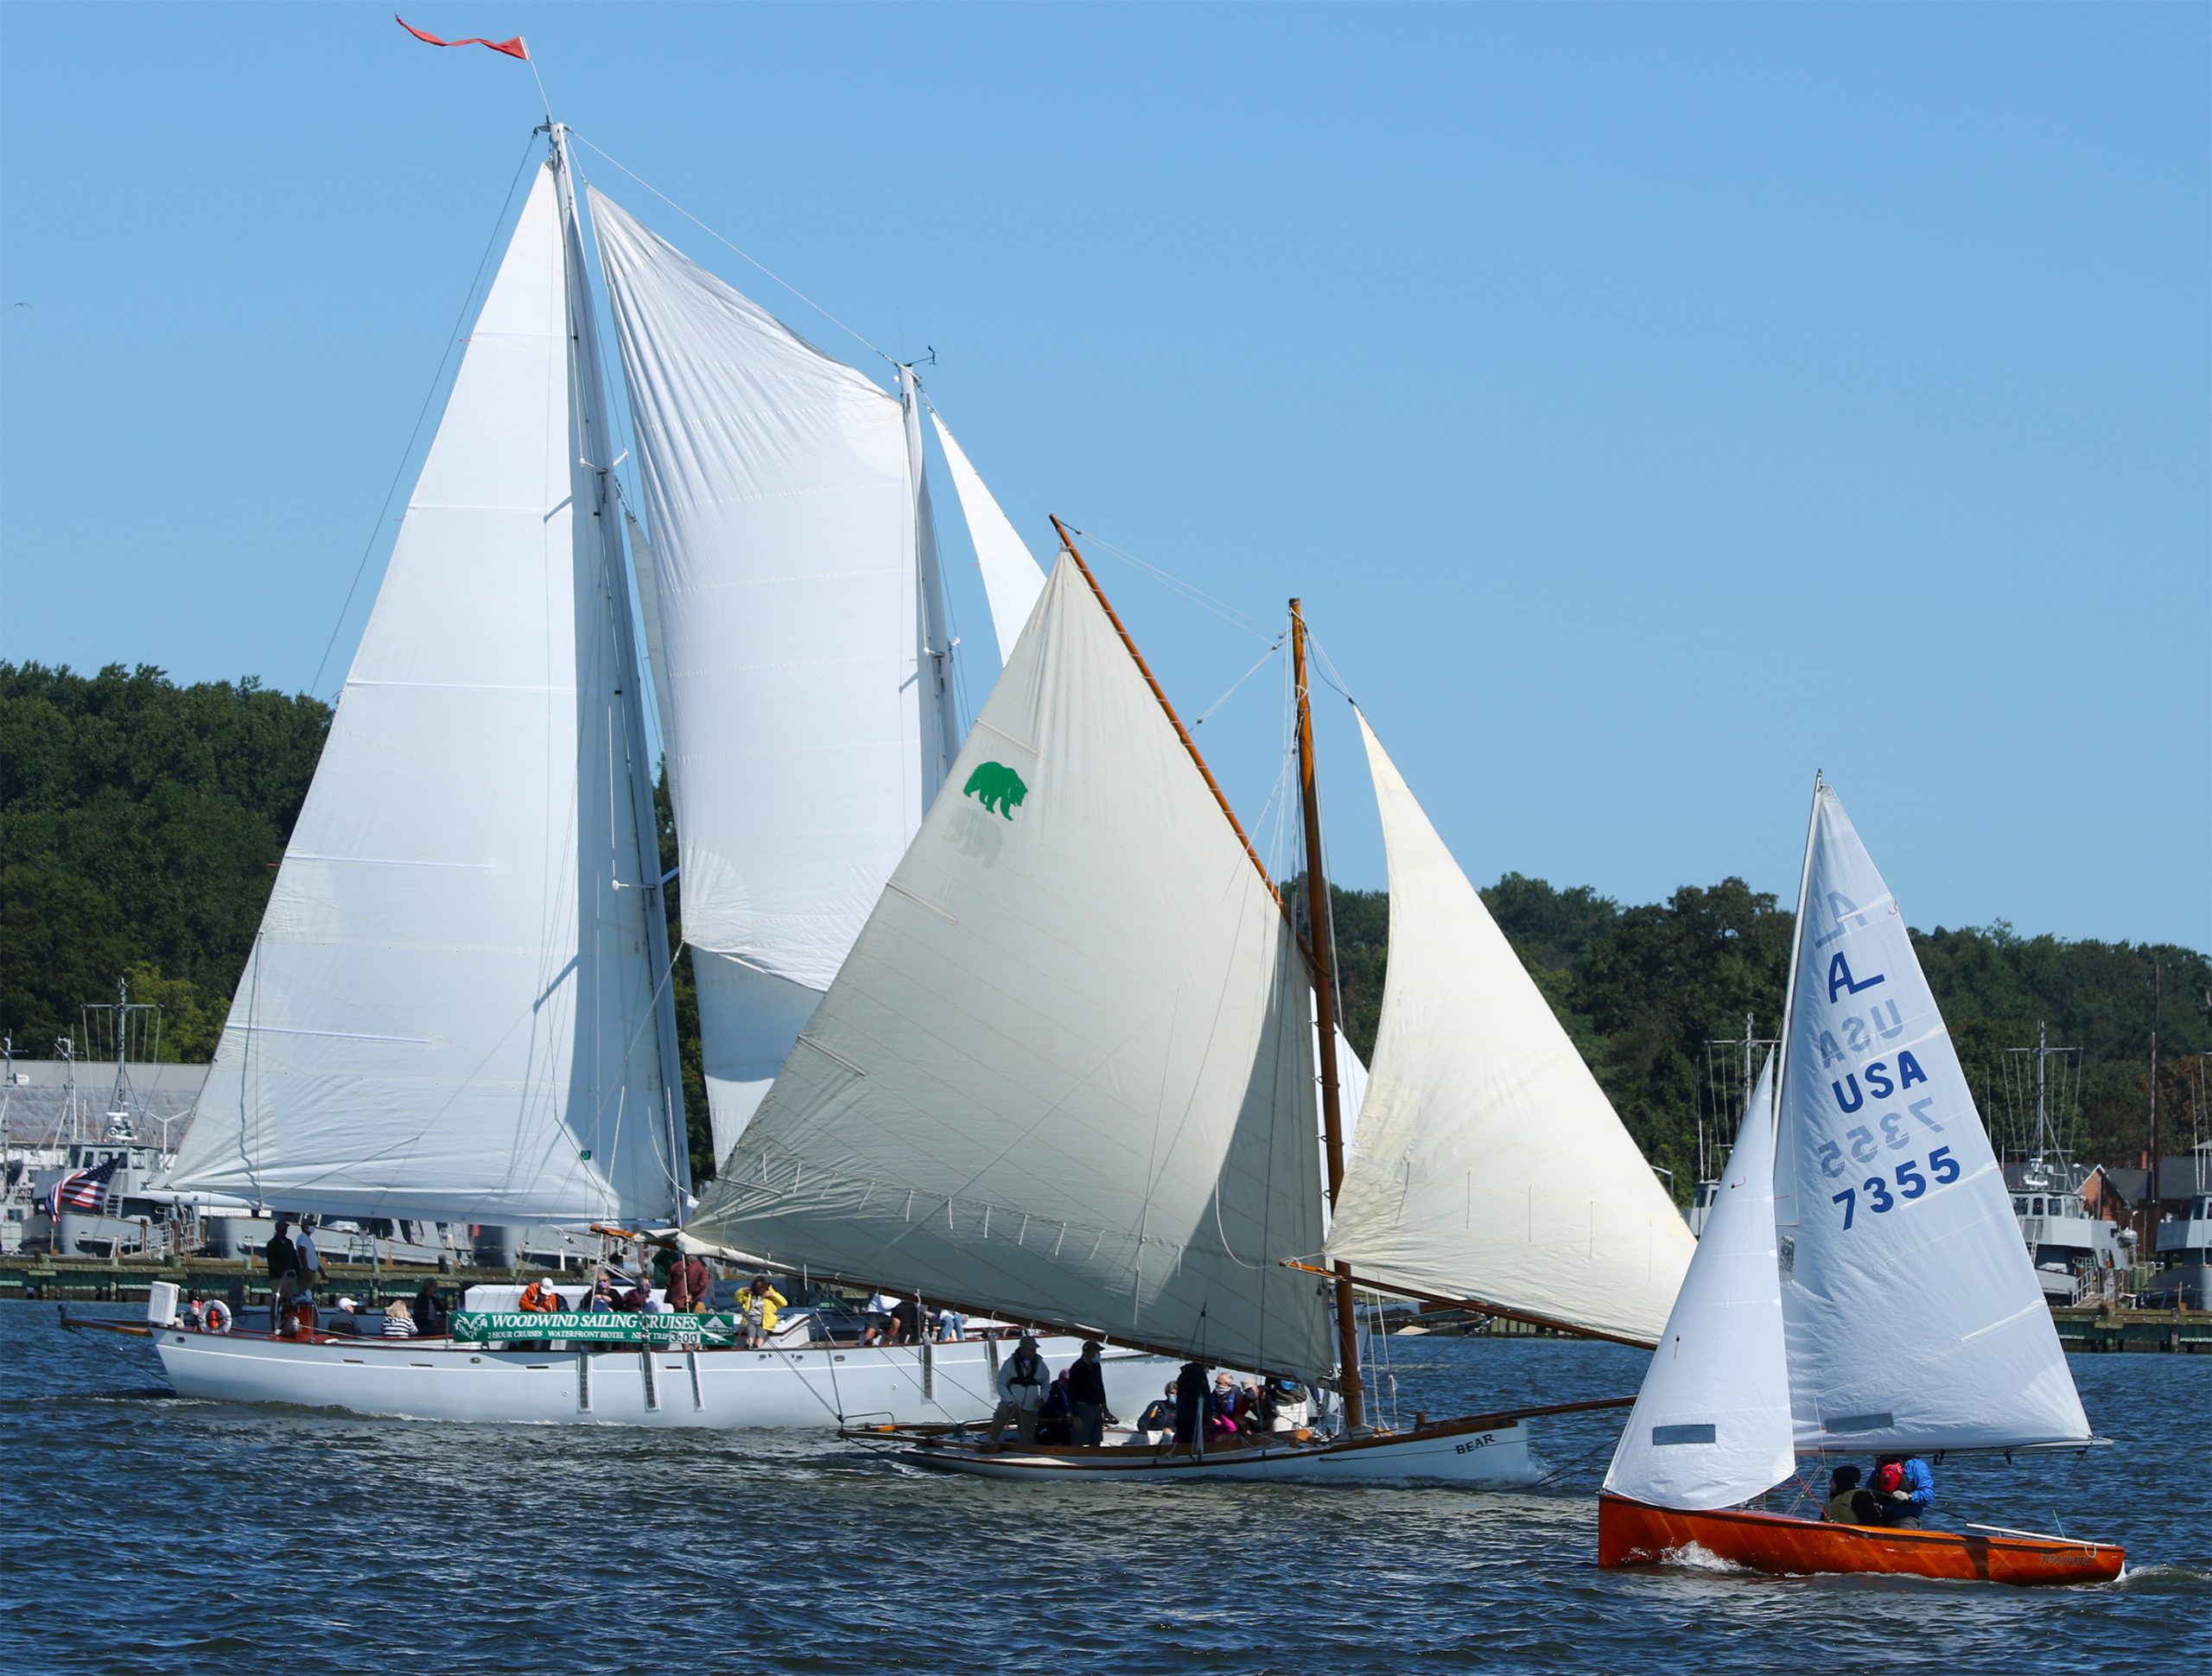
(1848, 1503)
(1903, 1487)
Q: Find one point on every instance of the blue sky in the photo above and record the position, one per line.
(1652, 404)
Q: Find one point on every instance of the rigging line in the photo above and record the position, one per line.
(1239, 682)
(429, 396)
(1328, 669)
(1258, 628)
(747, 254)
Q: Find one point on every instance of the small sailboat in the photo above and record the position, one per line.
(1860, 1288)
(1069, 1073)
(459, 1004)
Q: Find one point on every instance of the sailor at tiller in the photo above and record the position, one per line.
(1023, 1382)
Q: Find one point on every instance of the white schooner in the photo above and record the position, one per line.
(458, 1006)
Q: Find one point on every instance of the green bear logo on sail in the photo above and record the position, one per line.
(996, 787)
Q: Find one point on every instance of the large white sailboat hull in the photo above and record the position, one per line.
(814, 1387)
(1492, 1457)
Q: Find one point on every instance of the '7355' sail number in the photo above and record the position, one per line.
(1910, 1184)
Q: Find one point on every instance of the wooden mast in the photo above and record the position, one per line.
(1322, 952)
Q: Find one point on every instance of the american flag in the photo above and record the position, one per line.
(82, 1189)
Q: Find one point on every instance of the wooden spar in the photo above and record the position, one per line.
(1481, 1306)
(1324, 996)
(1067, 546)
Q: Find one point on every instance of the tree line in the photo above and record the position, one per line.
(140, 823)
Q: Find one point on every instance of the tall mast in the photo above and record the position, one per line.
(1325, 997)
(595, 442)
(1789, 993)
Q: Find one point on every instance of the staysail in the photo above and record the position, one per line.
(1065, 1071)
(450, 1010)
(1711, 1426)
(1914, 1317)
(808, 690)
(1012, 579)
(1489, 1164)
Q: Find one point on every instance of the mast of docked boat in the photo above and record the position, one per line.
(595, 446)
(1322, 954)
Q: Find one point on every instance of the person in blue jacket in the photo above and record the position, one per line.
(1904, 1488)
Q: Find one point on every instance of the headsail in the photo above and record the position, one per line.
(808, 690)
(1711, 1426)
(1489, 1165)
(1011, 581)
(450, 1009)
(1914, 1316)
(1064, 1072)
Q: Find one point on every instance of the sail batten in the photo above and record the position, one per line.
(1488, 1163)
(449, 1011)
(1065, 1071)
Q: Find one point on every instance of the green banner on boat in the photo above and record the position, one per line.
(521, 1326)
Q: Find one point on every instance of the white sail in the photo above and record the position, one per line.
(808, 688)
(1012, 579)
(1065, 1073)
(1915, 1320)
(449, 1011)
(1489, 1165)
(1711, 1426)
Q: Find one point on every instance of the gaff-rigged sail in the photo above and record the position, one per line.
(1711, 1426)
(1913, 1314)
(1065, 1071)
(450, 1009)
(1489, 1165)
(809, 689)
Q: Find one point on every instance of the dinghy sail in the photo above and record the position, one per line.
(1863, 1288)
(1489, 1166)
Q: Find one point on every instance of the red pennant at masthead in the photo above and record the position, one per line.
(513, 48)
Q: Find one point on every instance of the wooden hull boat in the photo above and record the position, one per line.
(1634, 1533)
(1484, 1452)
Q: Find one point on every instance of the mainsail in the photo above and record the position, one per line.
(1711, 1426)
(1913, 1314)
(1064, 1072)
(803, 655)
(1488, 1163)
(450, 1010)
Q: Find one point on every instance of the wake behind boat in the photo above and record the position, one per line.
(1860, 1289)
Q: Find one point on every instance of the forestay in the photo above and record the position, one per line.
(1914, 1317)
(449, 1009)
(808, 688)
(1489, 1164)
(1065, 1073)
(1711, 1426)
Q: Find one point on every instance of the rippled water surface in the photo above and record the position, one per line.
(149, 1534)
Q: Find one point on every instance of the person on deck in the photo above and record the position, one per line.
(195, 1314)
(1848, 1504)
(1087, 1396)
(1292, 1410)
(1158, 1420)
(398, 1320)
(758, 1304)
(1226, 1404)
(601, 1300)
(430, 1313)
(1192, 1404)
(688, 1283)
(1056, 1419)
(1904, 1488)
(310, 1263)
(1023, 1380)
(882, 1320)
(951, 1325)
(283, 1257)
(539, 1297)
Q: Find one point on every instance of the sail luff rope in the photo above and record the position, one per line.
(430, 396)
(747, 254)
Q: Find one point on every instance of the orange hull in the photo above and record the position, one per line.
(1633, 1534)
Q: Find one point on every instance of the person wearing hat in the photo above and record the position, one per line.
(1023, 1380)
(283, 1260)
(1848, 1504)
(1087, 1397)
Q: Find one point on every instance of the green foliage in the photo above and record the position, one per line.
(699, 1133)
(140, 823)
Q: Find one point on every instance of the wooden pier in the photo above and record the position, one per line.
(127, 1280)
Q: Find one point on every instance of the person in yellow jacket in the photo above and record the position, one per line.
(758, 1304)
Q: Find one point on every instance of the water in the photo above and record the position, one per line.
(146, 1534)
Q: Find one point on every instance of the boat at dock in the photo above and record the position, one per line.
(1861, 1288)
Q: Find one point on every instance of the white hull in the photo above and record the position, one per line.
(813, 1386)
(1484, 1457)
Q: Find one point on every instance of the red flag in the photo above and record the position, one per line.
(512, 48)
